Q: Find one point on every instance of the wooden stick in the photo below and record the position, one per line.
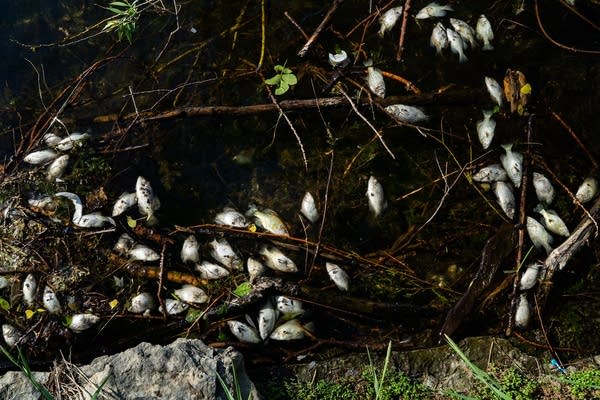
(317, 32)
(403, 30)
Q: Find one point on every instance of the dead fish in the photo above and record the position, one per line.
(494, 90)
(50, 301)
(43, 202)
(29, 289)
(124, 244)
(308, 208)
(40, 157)
(243, 332)
(439, 38)
(543, 188)
(93, 220)
(375, 79)
(268, 220)
(191, 294)
(388, 20)
(231, 217)
(81, 322)
(267, 317)
(51, 139)
(222, 251)
(276, 260)
(74, 139)
(288, 306)
(588, 190)
(255, 268)
(190, 251)
(512, 162)
(174, 307)
(339, 59)
(484, 32)
(4, 283)
(148, 203)
(291, 330)
(57, 168)
(538, 235)
(140, 252)
(457, 45)
(407, 114)
(485, 129)
(211, 271)
(142, 303)
(505, 198)
(523, 313)
(529, 277)
(464, 30)
(338, 276)
(433, 10)
(377, 201)
(124, 203)
(11, 335)
(491, 173)
(554, 223)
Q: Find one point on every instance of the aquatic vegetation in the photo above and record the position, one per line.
(124, 19)
(283, 80)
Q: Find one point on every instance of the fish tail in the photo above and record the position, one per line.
(507, 146)
(462, 58)
(487, 46)
(487, 114)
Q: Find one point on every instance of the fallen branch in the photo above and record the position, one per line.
(320, 28)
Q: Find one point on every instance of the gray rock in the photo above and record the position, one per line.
(183, 370)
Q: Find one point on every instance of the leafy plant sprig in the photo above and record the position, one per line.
(123, 22)
(283, 79)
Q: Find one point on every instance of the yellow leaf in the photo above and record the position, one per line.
(252, 228)
(113, 303)
(526, 89)
(131, 222)
(29, 314)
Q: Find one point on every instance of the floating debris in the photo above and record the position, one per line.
(81, 322)
(375, 79)
(124, 244)
(29, 289)
(494, 90)
(407, 114)
(243, 332)
(554, 223)
(74, 139)
(142, 303)
(588, 190)
(308, 208)
(538, 235)
(57, 168)
(222, 251)
(190, 251)
(529, 277)
(276, 260)
(231, 217)
(457, 45)
(484, 32)
(465, 31)
(50, 301)
(140, 252)
(174, 306)
(505, 198)
(211, 271)
(512, 162)
(485, 129)
(439, 38)
(388, 20)
(377, 201)
(148, 203)
(433, 10)
(491, 173)
(523, 313)
(191, 294)
(40, 157)
(338, 276)
(543, 188)
(124, 203)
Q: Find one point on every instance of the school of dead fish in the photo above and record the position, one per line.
(277, 319)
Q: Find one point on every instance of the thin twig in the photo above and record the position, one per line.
(161, 277)
(575, 137)
(293, 21)
(403, 30)
(317, 32)
(263, 34)
(177, 27)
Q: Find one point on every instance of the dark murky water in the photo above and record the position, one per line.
(210, 61)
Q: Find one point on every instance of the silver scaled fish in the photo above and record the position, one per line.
(588, 190)
(543, 188)
(377, 201)
(494, 90)
(513, 164)
(538, 235)
(222, 251)
(464, 30)
(276, 260)
(439, 38)
(554, 223)
(124, 203)
(375, 79)
(148, 203)
(491, 173)
(485, 129)
(433, 10)
(407, 114)
(457, 45)
(388, 20)
(505, 198)
(484, 32)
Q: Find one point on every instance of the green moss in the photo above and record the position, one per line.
(320, 390)
(584, 384)
(399, 386)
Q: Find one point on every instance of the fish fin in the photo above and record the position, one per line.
(368, 63)
(462, 58)
(487, 46)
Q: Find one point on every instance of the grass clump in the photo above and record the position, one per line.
(584, 384)
(320, 390)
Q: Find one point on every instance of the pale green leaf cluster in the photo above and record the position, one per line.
(124, 19)
(283, 79)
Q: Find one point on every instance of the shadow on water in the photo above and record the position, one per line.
(404, 276)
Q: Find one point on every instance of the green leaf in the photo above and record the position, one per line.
(244, 288)
(116, 11)
(192, 315)
(120, 4)
(289, 79)
(279, 68)
(110, 25)
(282, 88)
(5, 305)
(274, 80)
(68, 320)
(286, 71)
